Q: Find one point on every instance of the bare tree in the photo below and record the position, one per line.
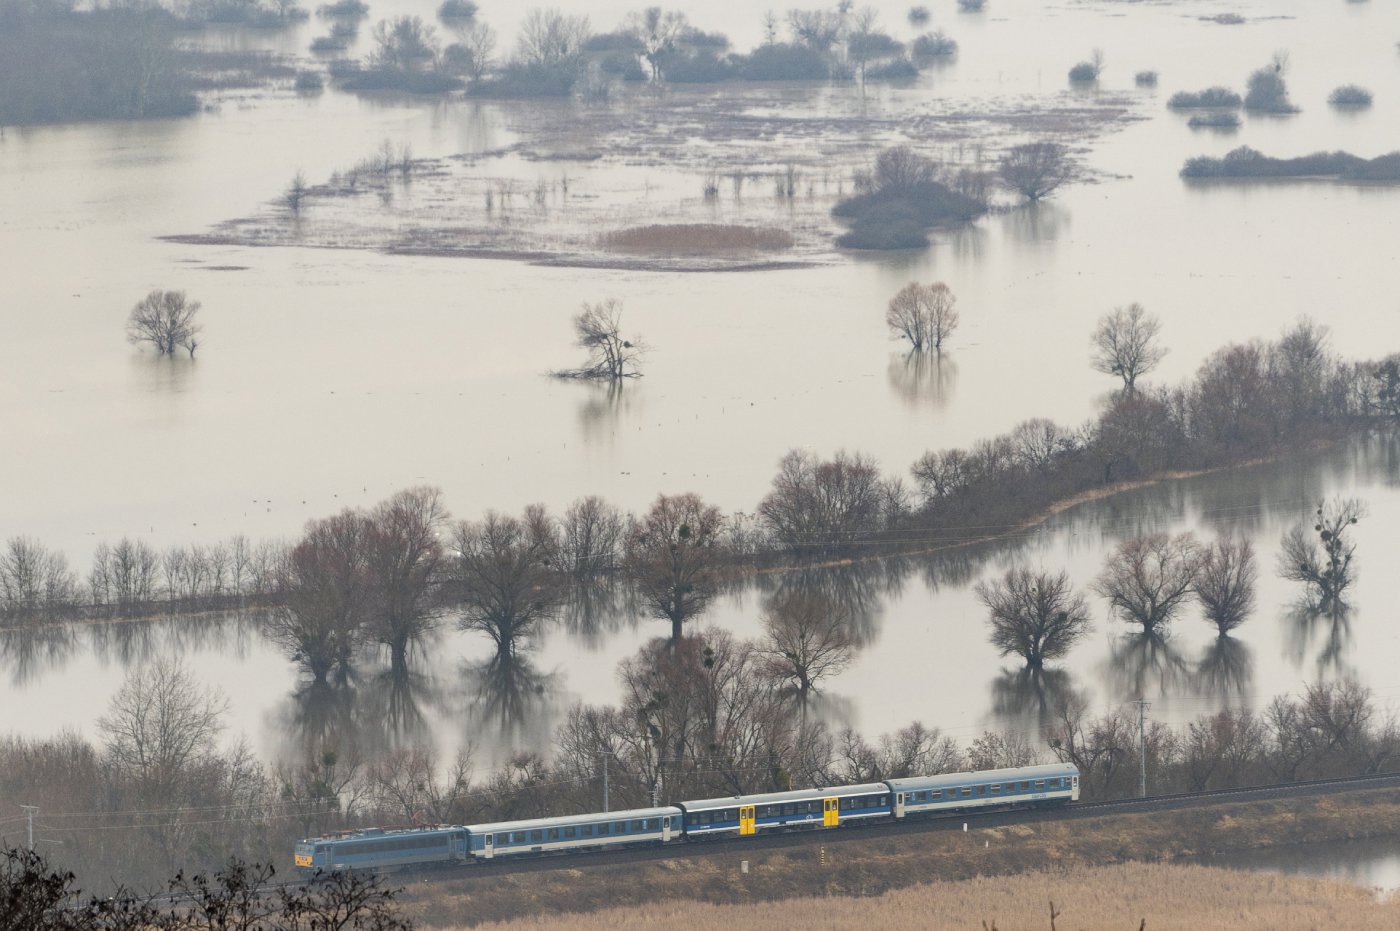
(35, 582)
(923, 314)
(1039, 441)
(657, 32)
(410, 782)
(165, 319)
(1147, 579)
(507, 576)
(591, 537)
(549, 39)
(1036, 170)
(820, 505)
(610, 355)
(1125, 344)
(1323, 564)
(328, 595)
(295, 193)
(1225, 584)
(1034, 615)
(405, 43)
(806, 638)
(161, 721)
(674, 557)
(403, 557)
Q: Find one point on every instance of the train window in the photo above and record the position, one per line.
(966, 791)
(638, 825)
(936, 793)
(1025, 787)
(981, 790)
(1040, 783)
(996, 788)
(585, 831)
(568, 833)
(537, 836)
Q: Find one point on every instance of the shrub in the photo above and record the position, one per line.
(971, 6)
(934, 45)
(1224, 120)
(343, 8)
(1245, 162)
(1145, 79)
(1211, 97)
(518, 81)
(1084, 71)
(892, 70)
(617, 41)
(323, 45)
(1350, 95)
(457, 9)
(887, 225)
(353, 78)
(703, 67)
(1225, 19)
(622, 65)
(1267, 92)
(783, 62)
(309, 81)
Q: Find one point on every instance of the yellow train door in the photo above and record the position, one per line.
(831, 812)
(746, 819)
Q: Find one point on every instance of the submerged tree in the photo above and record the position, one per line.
(1147, 579)
(1035, 615)
(507, 575)
(1225, 583)
(1125, 344)
(674, 555)
(1036, 170)
(166, 320)
(404, 555)
(610, 355)
(923, 314)
(1323, 564)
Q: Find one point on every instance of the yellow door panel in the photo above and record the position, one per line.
(831, 813)
(746, 820)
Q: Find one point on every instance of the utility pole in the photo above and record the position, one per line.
(29, 812)
(604, 754)
(1142, 745)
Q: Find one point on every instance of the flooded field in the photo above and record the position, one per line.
(333, 372)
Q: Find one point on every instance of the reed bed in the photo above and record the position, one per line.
(1120, 897)
(696, 238)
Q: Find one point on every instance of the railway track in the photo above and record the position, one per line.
(916, 825)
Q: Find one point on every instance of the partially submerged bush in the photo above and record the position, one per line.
(886, 225)
(519, 81)
(893, 70)
(1350, 95)
(1219, 120)
(1245, 162)
(934, 45)
(903, 201)
(1145, 79)
(1267, 92)
(343, 9)
(456, 10)
(1087, 71)
(1211, 97)
(1225, 19)
(703, 67)
(782, 62)
(971, 6)
(309, 81)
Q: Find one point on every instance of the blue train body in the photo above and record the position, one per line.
(735, 816)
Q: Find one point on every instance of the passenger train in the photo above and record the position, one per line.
(735, 816)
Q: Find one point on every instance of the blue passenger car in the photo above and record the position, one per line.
(1057, 782)
(377, 848)
(749, 814)
(575, 832)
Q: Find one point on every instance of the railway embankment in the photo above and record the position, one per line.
(870, 862)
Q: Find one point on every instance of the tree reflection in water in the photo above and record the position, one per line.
(508, 692)
(605, 405)
(1330, 626)
(1141, 662)
(124, 643)
(322, 713)
(859, 590)
(1033, 697)
(923, 378)
(595, 609)
(32, 652)
(1226, 669)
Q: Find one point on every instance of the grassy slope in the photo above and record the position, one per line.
(861, 866)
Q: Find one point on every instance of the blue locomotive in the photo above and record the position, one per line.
(736, 816)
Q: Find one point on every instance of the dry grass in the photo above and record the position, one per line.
(857, 865)
(696, 239)
(1117, 897)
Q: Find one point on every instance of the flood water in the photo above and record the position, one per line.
(1374, 863)
(334, 377)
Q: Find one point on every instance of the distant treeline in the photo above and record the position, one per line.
(1245, 162)
(58, 65)
(1246, 401)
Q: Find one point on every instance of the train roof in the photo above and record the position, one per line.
(868, 788)
(532, 824)
(1044, 771)
(355, 834)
